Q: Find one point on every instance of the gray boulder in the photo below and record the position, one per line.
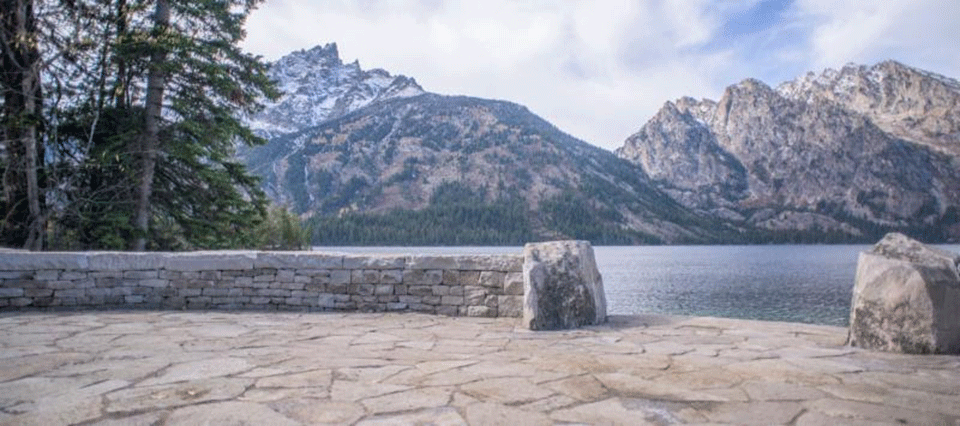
(906, 298)
(562, 286)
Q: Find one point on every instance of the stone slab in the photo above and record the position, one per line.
(212, 261)
(500, 263)
(120, 261)
(298, 260)
(29, 261)
(141, 367)
(229, 413)
(433, 262)
(380, 261)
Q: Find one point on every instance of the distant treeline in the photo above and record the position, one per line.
(458, 215)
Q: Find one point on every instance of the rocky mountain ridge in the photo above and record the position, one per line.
(910, 103)
(850, 153)
(318, 86)
(843, 155)
(349, 147)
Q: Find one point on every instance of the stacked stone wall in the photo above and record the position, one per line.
(485, 285)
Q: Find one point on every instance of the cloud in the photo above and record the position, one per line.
(599, 69)
(919, 32)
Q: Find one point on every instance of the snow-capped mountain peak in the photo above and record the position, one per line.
(909, 102)
(317, 86)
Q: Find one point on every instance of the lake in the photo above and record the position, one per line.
(795, 283)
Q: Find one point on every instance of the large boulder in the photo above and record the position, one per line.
(562, 287)
(906, 298)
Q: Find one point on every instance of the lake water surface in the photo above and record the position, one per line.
(796, 283)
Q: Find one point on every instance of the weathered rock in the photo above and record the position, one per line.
(298, 260)
(510, 306)
(212, 260)
(764, 155)
(374, 262)
(30, 261)
(562, 286)
(906, 298)
(113, 261)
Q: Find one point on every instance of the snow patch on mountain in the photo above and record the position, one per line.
(317, 86)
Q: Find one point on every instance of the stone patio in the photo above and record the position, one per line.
(195, 368)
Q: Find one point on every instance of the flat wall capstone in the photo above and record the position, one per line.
(467, 285)
(26, 261)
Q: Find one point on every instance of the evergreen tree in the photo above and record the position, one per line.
(22, 221)
(41, 44)
(148, 141)
(282, 230)
(142, 114)
(198, 84)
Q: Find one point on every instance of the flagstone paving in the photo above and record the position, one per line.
(196, 368)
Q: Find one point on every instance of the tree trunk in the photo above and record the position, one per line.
(23, 223)
(35, 228)
(150, 139)
(120, 85)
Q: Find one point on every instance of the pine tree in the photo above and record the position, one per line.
(131, 143)
(149, 141)
(22, 221)
(155, 140)
(198, 85)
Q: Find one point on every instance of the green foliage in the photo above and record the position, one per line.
(201, 197)
(282, 230)
(347, 195)
(408, 174)
(456, 216)
(572, 215)
(208, 198)
(97, 209)
(296, 178)
(456, 193)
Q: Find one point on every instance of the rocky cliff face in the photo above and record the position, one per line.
(345, 141)
(318, 86)
(909, 103)
(851, 153)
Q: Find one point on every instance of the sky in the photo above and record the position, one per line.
(599, 69)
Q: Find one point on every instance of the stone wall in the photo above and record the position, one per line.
(487, 285)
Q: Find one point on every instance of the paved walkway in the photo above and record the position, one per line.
(194, 368)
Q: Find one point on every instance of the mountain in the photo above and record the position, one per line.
(370, 158)
(318, 86)
(903, 101)
(841, 156)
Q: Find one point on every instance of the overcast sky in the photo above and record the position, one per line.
(599, 69)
